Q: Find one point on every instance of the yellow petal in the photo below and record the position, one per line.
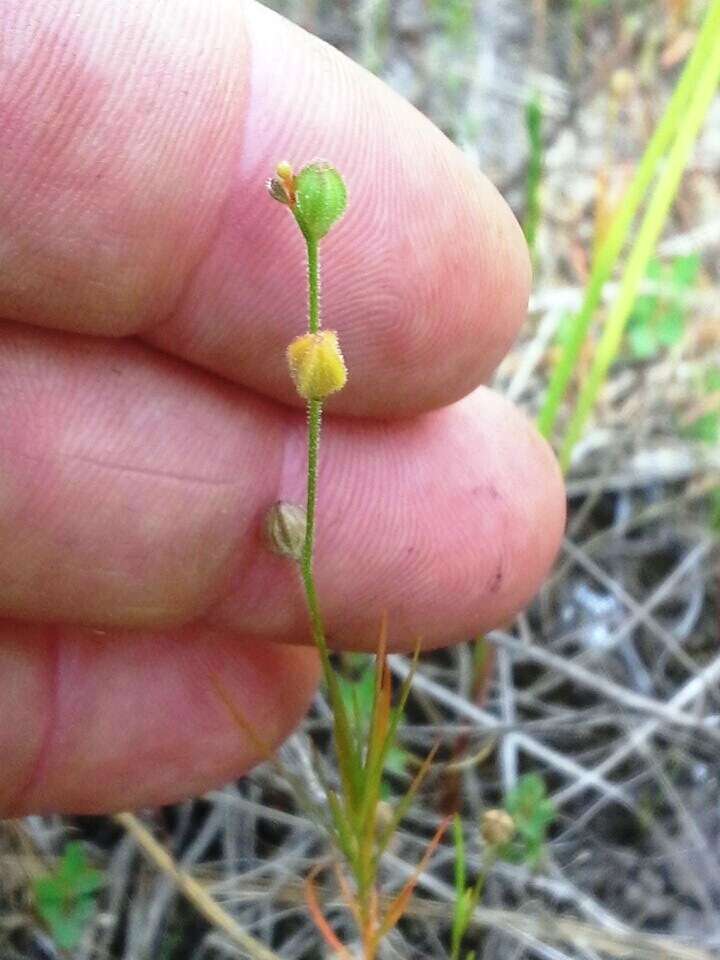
(316, 365)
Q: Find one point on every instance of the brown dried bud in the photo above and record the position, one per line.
(497, 827)
(277, 190)
(285, 525)
(281, 187)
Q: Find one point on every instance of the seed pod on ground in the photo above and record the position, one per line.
(497, 827)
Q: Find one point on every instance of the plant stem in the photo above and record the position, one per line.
(314, 412)
(674, 117)
(308, 551)
(645, 242)
(533, 127)
(313, 286)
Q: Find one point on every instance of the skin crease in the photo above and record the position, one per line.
(148, 289)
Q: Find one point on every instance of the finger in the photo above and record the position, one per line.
(143, 208)
(133, 492)
(101, 723)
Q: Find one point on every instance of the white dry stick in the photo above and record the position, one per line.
(203, 902)
(508, 748)
(487, 721)
(607, 688)
(640, 612)
(635, 741)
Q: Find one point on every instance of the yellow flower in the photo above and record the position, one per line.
(316, 365)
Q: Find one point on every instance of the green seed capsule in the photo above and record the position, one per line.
(320, 199)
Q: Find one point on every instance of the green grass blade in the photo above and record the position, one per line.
(610, 249)
(533, 126)
(404, 804)
(643, 247)
(460, 869)
(344, 836)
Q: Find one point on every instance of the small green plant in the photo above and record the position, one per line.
(672, 141)
(455, 17)
(516, 833)
(365, 723)
(532, 812)
(704, 426)
(496, 828)
(65, 898)
(658, 319)
(466, 897)
(358, 692)
(533, 127)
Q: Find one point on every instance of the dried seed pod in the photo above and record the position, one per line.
(497, 827)
(276, 189)
(285, 525)
(317, 365)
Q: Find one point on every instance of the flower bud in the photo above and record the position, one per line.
(316, 365)
(281, 187)
(284, 170)
(497, 827)
(285, 526)
(276, 189)
(320, 199)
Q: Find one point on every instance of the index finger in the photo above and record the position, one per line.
(132, 170)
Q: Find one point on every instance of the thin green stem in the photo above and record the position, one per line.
(533, 126)
(313, 286)
(308, 551)
(645, 242)
(314, 410)
(674, 117)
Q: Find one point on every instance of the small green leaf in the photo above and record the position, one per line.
(321, 198)
(712, 380)
(658, 320)
(643, 342)
(644, 310)
(533, 812)
(685, 270)
(671, 327)
(705, 428)
(396, 760)
(65, 899)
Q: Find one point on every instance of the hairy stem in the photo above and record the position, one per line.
(308, 551)
(313, 286)
(314, 410)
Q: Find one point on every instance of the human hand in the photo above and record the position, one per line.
(148, 288)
